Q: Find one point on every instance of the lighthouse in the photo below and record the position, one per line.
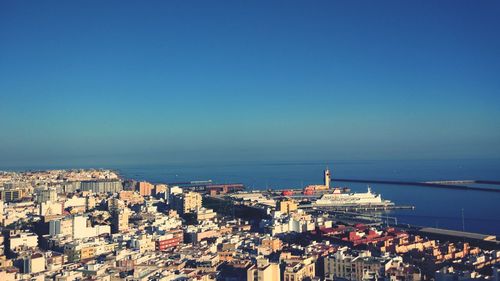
(327, 178)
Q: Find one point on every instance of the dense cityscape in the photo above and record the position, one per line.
(263, 140)
(93, 224)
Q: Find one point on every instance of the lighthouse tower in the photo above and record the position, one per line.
(327, 178)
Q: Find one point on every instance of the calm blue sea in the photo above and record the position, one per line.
(434, 207)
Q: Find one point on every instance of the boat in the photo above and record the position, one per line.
(341, 199)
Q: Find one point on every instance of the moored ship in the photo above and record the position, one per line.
(339, 199)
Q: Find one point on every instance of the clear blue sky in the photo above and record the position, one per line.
(112, 82)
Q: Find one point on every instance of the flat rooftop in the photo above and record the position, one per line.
(456, 233)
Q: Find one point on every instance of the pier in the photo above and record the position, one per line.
(436, 184)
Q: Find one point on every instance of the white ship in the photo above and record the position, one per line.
(337, 198)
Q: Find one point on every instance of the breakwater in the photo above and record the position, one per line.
(429, 184)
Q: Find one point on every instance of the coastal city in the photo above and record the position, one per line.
(259, 140)
(93, 224)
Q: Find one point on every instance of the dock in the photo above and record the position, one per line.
(436, 184)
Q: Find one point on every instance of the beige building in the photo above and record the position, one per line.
(34, 263)
(61, 227)
(131, 197)
(186, 203)
(81, 228)
(23, 240)
(286, 206)
(69, 276)
(270, 245)
(76, 251)
(50, 209)
(119, 221)
(160, 188)
(143, 243)
(264, 271)
(205, 214)
(353, 267)
(298, 269)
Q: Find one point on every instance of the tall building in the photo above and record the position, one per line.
(115, 204)
(46, 194)
(286, 206)
(186, 203)
(61, 226)
(160, 189)
(119, 221)
(102, 186)
(145, 188)
(34, 263)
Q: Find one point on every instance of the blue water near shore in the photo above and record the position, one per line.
(434, 207)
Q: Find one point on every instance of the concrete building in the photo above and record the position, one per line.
(354, 266)
(69, 276)
(102, 186)
(298, 269)
(115, 204)
(61, 227)
(160, 189)
(286, 206)
(119, 220)
(78, 203)
(23, 240)
(34, 263)
(50, 208)
(270, 245)
(203, 214)
(82, 230)
(11, 195)
(130, 197)
(264, 270)
(45, 194)
(186, 203)
(76, 250)
(143, 243)
(145, 188)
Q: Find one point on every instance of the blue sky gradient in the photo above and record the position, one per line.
(116, 82)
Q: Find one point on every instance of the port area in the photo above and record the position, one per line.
(305, 202)
(255, 213)
(259, 204)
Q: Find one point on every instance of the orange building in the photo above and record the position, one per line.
(145, 188)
